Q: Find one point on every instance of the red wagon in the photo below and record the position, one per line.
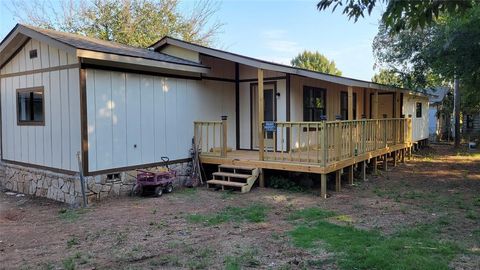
(155, 182)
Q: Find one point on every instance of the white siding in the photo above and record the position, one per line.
(419, 125)
(136, 119)
(56, 143)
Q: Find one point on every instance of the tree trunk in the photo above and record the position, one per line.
(456, 111)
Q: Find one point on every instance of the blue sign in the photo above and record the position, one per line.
(270, 126)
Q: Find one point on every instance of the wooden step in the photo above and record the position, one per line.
(235, 167)
(226, 183)
(232, 175)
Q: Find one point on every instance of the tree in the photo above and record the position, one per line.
(400, 15)
(448, 48)
(315, 61)
(137, 23)
(388, 77)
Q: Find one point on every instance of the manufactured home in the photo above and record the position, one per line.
(116, 108)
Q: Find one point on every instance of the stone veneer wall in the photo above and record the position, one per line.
(67, 188)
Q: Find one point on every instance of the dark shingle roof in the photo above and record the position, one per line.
(93, 44)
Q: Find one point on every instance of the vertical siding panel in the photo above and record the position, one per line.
(147, 110)
(38, 130)
(44, 55)
(92, 141)
(103, 112)
(171, 116)
(21, 61)
(119, 122)
(134, 155)
(159, 118)
(3, 87)
(36, 62)
(65, 118)
(22, 83)
(56, 112)
(47, 131)
(74, 106)
(30, 130)
(182, 140)
(14, 149)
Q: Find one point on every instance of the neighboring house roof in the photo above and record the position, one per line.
(274, 66)
(86, 47)
(437, 94)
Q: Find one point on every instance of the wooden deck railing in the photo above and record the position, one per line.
(210, 137)
(328, 142)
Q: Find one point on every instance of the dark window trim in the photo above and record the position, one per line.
(29, 90)
(323, 93)
(416, 110)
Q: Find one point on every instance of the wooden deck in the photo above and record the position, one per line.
(251, 159)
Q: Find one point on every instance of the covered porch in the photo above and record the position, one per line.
(319, 147)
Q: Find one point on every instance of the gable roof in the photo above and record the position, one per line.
(250, 61)
(78, 45)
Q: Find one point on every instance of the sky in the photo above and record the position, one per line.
(279, 30)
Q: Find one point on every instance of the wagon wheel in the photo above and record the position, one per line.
(137, 190)
(158, 191)
(169, 188)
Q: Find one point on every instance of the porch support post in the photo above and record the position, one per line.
(261, 178)
(350, 103)
(338, 180)
(224, 136)
(402, 159)
(364, 170)
(261, 143)
(375, 105)
(394, 158)
(385, 162)
(323, 186)
(350, 175)
(374, 164)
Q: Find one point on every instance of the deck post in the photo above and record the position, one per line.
(350, 103)
(261, 178)
(374, 164)
(350, 175)
(385, 162)
(338, 180)
(375, 105)
(394, 158)
(261, 137)
(224, 136)
(402, 158)
(364, 170)
(323, 186)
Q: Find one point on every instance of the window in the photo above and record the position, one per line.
(314, 106)
(30, 106)
(344, 105)
(469, 121)
(418, 110)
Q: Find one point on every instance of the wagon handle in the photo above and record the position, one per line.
(165, 160)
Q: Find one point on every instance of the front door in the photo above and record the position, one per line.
(269, 113)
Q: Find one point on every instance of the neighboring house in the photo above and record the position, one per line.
(123, 108)
(439, 121)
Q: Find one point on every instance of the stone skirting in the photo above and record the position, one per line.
(67, 188)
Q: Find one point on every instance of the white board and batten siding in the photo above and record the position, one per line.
(56, 143)
(420, 125)
(135, 119)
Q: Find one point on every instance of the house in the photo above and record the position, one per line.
(439, 120)
(121, 108)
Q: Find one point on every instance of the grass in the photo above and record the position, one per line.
(254, 213)
(247, 258)
(74, 241)
(70, 215)
(360, 249)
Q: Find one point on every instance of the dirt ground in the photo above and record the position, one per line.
(155, 233)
